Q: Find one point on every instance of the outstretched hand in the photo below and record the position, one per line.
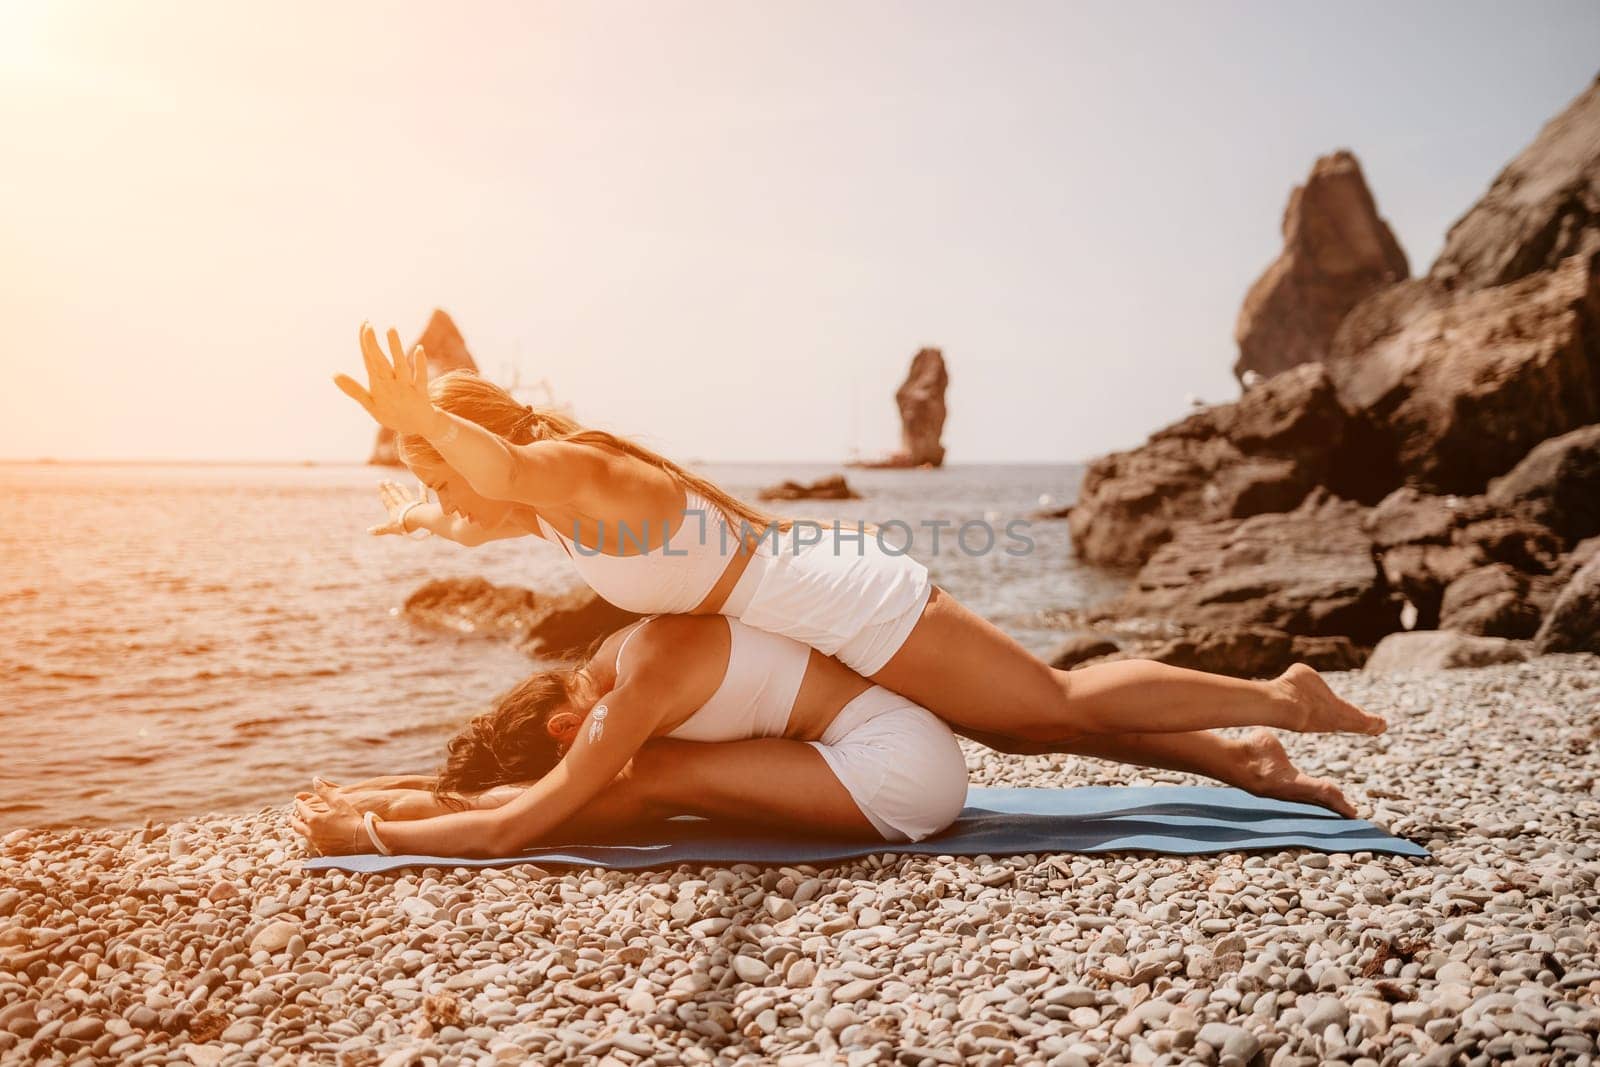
(397, 393)
(397, 500)
(332, 828)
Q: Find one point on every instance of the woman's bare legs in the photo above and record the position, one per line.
(770, 781)
(1256, 763)
(972, 674)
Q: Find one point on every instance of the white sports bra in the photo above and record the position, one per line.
(672, 578)
(758, 689)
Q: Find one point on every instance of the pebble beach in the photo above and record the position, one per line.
(204, 942)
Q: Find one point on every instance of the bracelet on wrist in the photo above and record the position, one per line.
(407, 511)
(369, 820)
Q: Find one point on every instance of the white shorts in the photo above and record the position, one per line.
(900, 763)
(844, 597)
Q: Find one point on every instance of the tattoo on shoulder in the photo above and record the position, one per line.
(597, 722)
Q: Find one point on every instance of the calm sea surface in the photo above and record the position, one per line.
(182, 639)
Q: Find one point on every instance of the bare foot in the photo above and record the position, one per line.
(1271, 774)
(1321, 710)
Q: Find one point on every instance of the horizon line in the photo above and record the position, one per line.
(51, 461)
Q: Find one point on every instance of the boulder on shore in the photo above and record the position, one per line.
(1573, 622)
(559, 626)
(1557, 483)
(922, 414)
(832, 487)
(1261, 453)
(472, 607)
(447, 351)
(1336, 251)
(1426, 544)
(1436, 650)
(1544, 207)
(1309, 572)
(1489, 601)
(1462, 387)
(1246, 651)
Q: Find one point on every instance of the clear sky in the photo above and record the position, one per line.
(722, 227)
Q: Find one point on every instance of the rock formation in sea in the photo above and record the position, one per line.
(922, 414)
(1429, 459)
(447, 351)
(1336, 251)
(545, 626)
(831, 487)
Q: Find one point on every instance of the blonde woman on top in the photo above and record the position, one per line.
(651, 537)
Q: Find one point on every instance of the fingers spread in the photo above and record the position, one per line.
(397, 352)
(352, 388)
(419, 367)
(378, 369)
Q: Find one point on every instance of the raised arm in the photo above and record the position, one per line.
(410, 513)
(543, 473)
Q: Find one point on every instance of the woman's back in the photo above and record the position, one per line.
(771, 685)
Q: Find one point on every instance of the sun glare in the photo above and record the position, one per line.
(22, 32)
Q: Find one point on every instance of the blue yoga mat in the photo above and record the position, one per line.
(1179, 820)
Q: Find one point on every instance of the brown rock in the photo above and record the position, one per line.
(922, 414)
(1434, 650)
(1420, 573)
(1309, 572)
(1262, 453)
(832, 487)
(1410, 516)
(1239, 651)
(567, 625)
(1328, 653)
(1574, 561)
(558, 626)
(1515, 539)
(1557, 483)
(472, 606)
(1336, 251)
(1489, 601)
(1544, 207)
(1463, 386)
(1573, 622)
(1254, 651)
(1426, 542)
(447, 351)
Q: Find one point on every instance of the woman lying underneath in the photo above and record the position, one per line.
(805, 743)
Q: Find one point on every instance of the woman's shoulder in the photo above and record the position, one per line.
(675, 643)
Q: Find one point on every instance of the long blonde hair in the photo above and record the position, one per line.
(476, 399)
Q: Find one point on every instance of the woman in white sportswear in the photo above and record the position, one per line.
(652, 537)
(674, 714)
